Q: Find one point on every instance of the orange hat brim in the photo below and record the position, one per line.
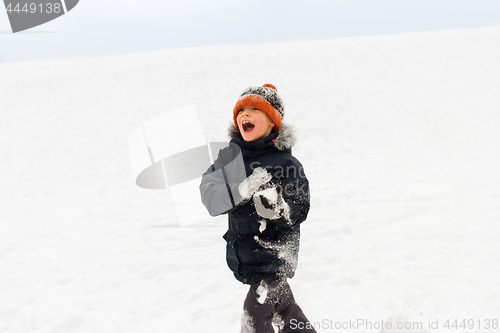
(260, 103)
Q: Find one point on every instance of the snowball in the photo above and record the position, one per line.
(270, 194)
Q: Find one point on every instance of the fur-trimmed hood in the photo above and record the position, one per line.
(284, 141)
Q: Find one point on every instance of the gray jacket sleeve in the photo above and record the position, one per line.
(219, 184)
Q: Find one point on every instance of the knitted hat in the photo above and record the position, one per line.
(264, 98)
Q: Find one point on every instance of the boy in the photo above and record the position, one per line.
(264, 191)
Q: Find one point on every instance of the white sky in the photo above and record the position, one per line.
(98, 27)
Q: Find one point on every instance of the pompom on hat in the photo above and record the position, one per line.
(264, 98)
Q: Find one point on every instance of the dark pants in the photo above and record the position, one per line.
(271, 302)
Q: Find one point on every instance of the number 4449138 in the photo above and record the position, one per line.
(32, 8)
(472, 324)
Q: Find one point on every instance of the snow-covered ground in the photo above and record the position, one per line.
(398, 136)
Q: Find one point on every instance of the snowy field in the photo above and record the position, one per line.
(399, 137)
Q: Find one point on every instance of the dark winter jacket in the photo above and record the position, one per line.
(259, 248)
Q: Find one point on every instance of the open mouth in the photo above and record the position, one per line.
(247, 125)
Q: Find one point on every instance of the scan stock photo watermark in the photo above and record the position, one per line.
(24, 15)
(430, 325)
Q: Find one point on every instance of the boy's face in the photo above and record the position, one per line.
(253, 123)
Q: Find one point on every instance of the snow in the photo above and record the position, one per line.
(262, 292)
(398, 136)
(247, 325)
(263, 225)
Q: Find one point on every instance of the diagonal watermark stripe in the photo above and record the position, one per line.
(165, 156)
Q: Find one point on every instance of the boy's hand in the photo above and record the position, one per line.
(269, 204)
(249, 186)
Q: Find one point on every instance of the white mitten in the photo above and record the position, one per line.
(249, 185)
(269, 204)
